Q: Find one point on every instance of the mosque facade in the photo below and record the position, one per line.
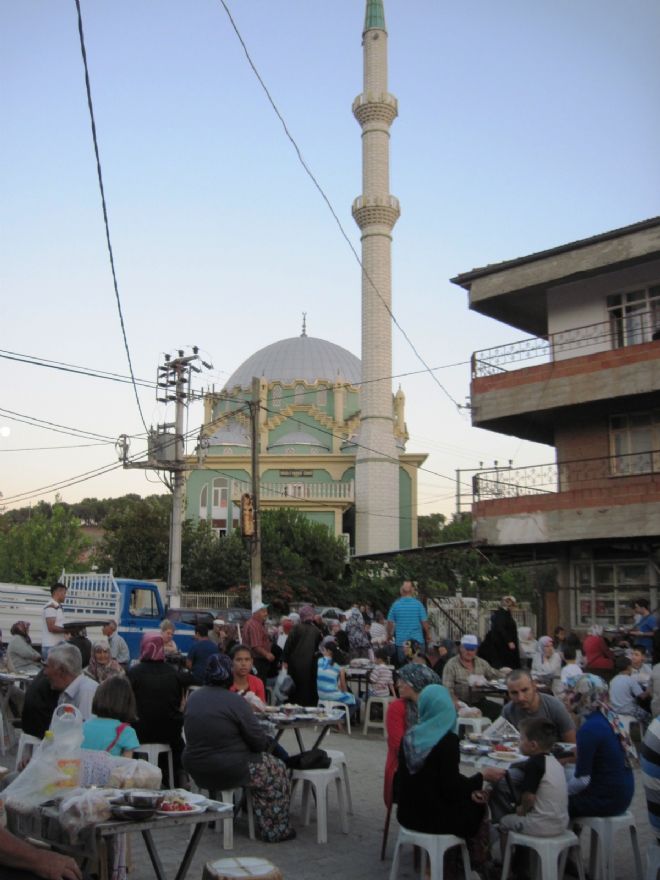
(331, 435)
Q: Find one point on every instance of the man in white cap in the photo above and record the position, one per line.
(216, 633)
(457, 672)
(255, 636)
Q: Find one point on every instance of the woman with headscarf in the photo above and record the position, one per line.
(102, 665)
(603, 784)
(500, 647)
(433, 797)
(546, 660)
(401, 715)
(359, 646)
(159, 694)
(597, 653)
(21, 655)
(226, 748)
(300, 655)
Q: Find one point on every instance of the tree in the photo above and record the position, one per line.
(137, 538)
(36, 551)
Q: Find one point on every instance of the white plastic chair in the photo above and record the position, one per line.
(477, 725)
(368, 721)
(320, 781)
(339, 760)
(652, 861)
(436, 845)
(602, 848)
(152, 751)
(549, 851)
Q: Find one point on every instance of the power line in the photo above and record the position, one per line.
(325, 198)
(105, 210)
(72, 368)
(34, 422)
(44, 448)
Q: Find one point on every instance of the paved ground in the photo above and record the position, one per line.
(356, 855)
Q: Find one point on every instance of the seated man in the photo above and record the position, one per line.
(457, 672)
(525, 701)
(641, 670)
(625, 692)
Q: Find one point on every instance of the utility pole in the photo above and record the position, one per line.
(167, 451)
(255, 545)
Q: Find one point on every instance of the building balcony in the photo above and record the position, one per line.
(597, 368)
(609, 497)
(285, 493)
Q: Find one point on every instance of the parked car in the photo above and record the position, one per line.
(191, 616)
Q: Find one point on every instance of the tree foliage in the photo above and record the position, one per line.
(35, 550)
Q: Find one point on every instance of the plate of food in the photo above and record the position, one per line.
(505, 756)
(175, 804)
(190, 797)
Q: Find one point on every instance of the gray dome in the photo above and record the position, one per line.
(297, 438)
(231, 434)
(301, 357)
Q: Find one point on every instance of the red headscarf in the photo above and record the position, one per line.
(152, 648)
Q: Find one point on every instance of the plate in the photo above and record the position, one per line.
(505, 756)
(194, 808)
(190, 797)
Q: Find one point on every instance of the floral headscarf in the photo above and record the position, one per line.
(437, 716)
(358, 640)
(152, 648)
(21, 628)
(102, 671)
(587, 694)
(306, 613)
(219, 670)
(417, 677)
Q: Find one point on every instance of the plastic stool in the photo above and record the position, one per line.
(227, 824)
(336, 704)
(652, 861)
(320, 781)
(339, 760)
(477, 725)
(25, 739)
(376, 701)
(436, 845)
(603, 832)
(548, 849)
(152, 751)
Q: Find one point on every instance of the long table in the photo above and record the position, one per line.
(92, 847)
(298, 723)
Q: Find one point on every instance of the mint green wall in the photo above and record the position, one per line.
(348, 475)
(351, 404)
(325, 517)
(405, 509)
(197, 479)
(273, 476)
(304, 422)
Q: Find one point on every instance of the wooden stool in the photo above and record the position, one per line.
(249, 866)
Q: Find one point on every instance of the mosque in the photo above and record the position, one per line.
(331, 435)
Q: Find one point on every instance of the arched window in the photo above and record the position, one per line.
(299, 395)
(276, 397)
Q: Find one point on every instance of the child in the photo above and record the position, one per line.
(381, 682)
(572, 668)
(625, 692)
(543, 809)
(109, 729)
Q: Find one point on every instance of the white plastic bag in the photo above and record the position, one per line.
(82, 809)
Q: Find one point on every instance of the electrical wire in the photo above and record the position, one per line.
(44, 448)
(71, 368)
(325, 198)
(34, 422)
(105, 211)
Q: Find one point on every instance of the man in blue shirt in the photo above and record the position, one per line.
(200, 652)
(407, 620)
(645, 626)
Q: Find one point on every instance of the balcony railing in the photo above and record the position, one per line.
(617, 332)
(296, 491)
(545, 479)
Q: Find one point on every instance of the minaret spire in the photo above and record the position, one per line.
(376, 212)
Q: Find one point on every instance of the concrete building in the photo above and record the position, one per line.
(331, 433)
(587, 382)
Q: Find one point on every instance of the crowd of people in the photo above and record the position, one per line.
(560, 692)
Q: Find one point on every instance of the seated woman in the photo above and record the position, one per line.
(167, 630)
(158, 690)
(331, 678)
(225, 748)
(603, 784)
(244, 681)
(102, 666)
(546, 661)
(433, 797)
(21, 655)
(109, 729)
(401, 715)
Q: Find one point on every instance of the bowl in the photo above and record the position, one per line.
(124, 811)
(144, 800)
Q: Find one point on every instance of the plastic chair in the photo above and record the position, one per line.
(652, 861)
(336, 704)
(603, 833)
(477, 725)
(152, 751)
(435, 845)
(368, 722)
(227, 797)
(339, 760)
(25, 739)
(549, 851)
(320, 781)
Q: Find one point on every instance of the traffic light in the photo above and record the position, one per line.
(247, 515)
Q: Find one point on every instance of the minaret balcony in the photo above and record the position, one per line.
(376, 211)
(375, 108)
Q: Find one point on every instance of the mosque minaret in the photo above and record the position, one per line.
(376, 212)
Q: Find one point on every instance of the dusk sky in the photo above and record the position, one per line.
(522, 126)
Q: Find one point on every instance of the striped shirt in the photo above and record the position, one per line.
(407, 613)
(649, 758)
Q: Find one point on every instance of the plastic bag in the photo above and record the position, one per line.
(82, 809)
(283, 688)
(55, 764)
(108, 771)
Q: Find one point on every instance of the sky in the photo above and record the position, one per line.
(521, 126)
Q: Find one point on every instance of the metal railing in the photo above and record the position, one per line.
(561, 477)
(617, 332)
(316, 491)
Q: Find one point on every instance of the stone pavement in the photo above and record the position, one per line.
(355, 855)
